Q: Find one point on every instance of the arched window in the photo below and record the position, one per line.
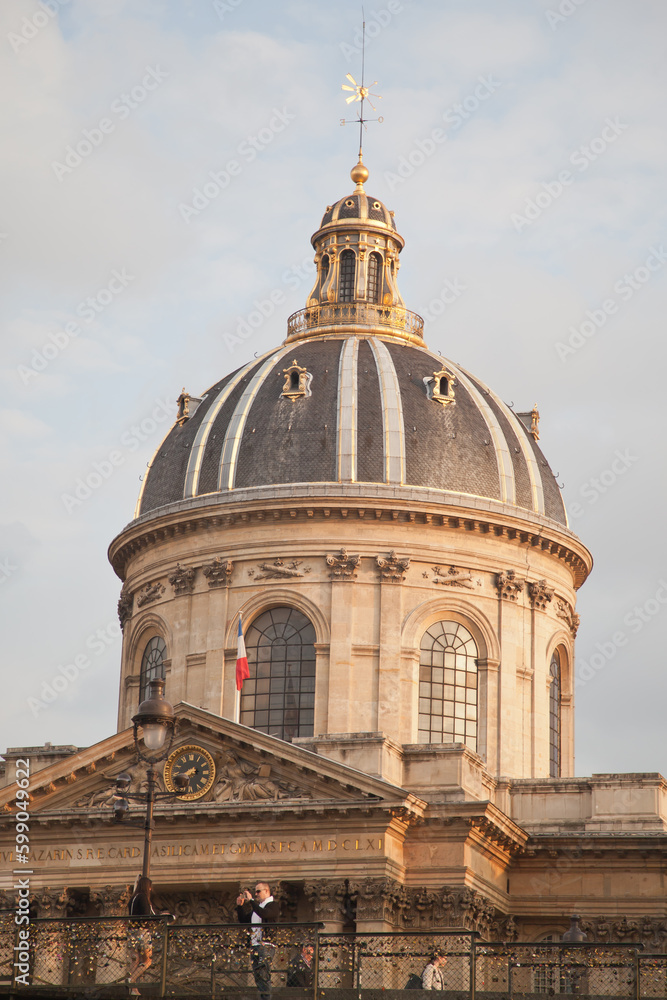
(324, 269)
(279, 697)
(152, 664)
(347, 269)
(374, 277)
(448, 685)
(554, 717)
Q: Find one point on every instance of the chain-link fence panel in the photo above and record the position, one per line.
(652, 975)
(371, 965)
(8, 938)
(94, 952)
(97, 956)
(535, 970)
(212, 960)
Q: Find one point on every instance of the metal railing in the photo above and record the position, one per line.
(353, 314)
(91, 956)
(81, 954)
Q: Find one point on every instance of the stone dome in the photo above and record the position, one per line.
(359, 206)
(353, 410)
(353, 402)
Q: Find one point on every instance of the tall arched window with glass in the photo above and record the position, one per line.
(374, 277)
(279, 697)
(555, 716)
(324, 270)
(152, 664)
(347, 269)
(448, 685)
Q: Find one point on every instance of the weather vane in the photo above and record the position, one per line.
(359, 93)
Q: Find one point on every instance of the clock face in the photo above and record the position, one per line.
(197, 764)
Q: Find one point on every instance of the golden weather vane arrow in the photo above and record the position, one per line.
(359, 93)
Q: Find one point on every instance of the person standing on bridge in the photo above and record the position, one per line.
(259, 911)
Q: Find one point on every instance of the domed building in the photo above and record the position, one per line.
(390, 532)
(396, 547)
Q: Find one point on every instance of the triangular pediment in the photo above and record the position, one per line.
(251, 771)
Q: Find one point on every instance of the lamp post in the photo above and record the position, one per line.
(574, 933)
(156, 721)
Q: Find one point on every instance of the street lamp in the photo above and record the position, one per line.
(156, 721)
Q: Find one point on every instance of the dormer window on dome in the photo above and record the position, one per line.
(356, 253)
(440, 386)
(297, 382)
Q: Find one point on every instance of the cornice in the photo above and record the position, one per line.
(389, 813)
(587, 847)
(352, 502)
(484, 821)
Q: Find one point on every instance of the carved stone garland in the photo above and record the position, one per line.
(151, 592)
(279, 570)
(455, 578)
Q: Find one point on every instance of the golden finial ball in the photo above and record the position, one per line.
(359, 173)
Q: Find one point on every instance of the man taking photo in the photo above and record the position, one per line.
(258, 911)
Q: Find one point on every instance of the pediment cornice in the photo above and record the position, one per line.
(255, 774)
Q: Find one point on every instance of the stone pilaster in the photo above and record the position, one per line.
(327, 899)
(379, 903)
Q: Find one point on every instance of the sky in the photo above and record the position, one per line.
(165, 164)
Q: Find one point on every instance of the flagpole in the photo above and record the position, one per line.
(241, 670)
(237, 699)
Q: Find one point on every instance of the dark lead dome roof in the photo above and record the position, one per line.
(360, 206)
(361, 409)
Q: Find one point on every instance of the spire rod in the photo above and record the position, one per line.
(360, 93)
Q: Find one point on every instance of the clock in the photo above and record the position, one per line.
(197, 764)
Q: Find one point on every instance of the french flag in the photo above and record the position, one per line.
(242, 672)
